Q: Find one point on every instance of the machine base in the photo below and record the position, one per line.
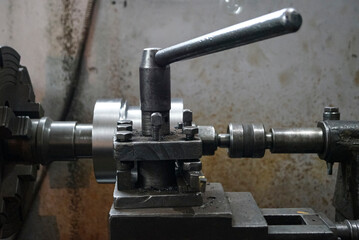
(154, 199)
(222, 216)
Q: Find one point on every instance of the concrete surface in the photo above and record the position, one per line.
(281, 82)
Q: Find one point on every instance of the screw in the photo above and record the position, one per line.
(124, 127)
(124, 136)
(156, 121)
(187, 117)
(190, 131)
(331, 113)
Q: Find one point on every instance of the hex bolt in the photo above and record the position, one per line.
(156, 121)
(187, 117)
(124, 136)
(190, 131)
(331, 113)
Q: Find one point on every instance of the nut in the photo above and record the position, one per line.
(124, 127)
(190, 130)
(120, 122)
(331, 113)
(156, 119)
(123, 136)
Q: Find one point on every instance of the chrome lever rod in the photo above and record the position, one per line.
(271, 25)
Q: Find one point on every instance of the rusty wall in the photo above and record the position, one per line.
(282, 82)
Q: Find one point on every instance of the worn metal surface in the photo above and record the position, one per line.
(155, 91)
(135, 199)
(213, 217)
(58, 141)
(341, 139)
(134, 113)
(246, 140)
(297, 140)
(156, 175)
(349, 229)
(173, 146)
(228, 216)
(283, 82)
(209, 139)
(341, 142)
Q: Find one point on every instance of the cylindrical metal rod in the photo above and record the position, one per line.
(62, 141)
(83, 140)
(296, 140)
(268, 26)
(53, 141)
(223, 140)
(57, 140)
(155, 92)
(348, 230)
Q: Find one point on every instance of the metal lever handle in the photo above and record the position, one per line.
(274, 24)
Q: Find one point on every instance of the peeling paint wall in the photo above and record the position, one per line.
(282, 82)
(48, 35)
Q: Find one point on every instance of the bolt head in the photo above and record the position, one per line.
(124, 127)
(156, 119)
(120, 122)
(331, 109)
(187, 115)
(190, 130)
(331, 113)
(124, 136)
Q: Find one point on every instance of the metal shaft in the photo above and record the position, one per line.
(53, 141)
(155, 92)
(61, 141)
(268, 26)
(348, 230)
(83, 141)
(295, 140)
(251, 140)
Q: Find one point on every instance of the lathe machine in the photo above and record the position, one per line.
(152, 152)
